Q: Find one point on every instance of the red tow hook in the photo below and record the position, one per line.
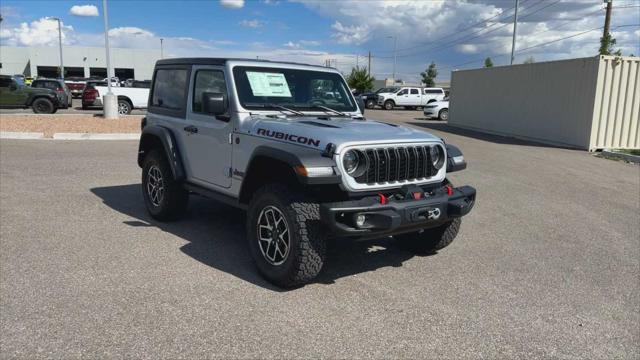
(449, 190)
(383, 199)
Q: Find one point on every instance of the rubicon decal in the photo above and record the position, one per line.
(289, 137)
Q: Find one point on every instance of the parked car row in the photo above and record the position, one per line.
(42, 99)
(46, 95)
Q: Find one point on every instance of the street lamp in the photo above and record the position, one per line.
(60, 45)
(395, 42)
(109, 101)
(161, 49)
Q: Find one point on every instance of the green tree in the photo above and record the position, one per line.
(607, 42)
(360, 80)
(488, 63)
(529, 60)
(429, 76)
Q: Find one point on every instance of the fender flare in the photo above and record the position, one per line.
(169, 145)
(454, 152)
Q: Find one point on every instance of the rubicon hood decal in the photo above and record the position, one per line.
(289, 137)
(313, 133)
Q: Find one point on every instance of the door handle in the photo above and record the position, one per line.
(192, 129)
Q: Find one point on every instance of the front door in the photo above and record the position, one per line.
(206, 137)
(402, 97)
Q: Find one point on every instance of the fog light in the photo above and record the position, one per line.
(360, 219)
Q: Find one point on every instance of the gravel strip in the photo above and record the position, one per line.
(50, 124)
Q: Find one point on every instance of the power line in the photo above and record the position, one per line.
(458, 31)
(457, 41)
(540, 45)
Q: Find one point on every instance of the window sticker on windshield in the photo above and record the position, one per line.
(268, 84)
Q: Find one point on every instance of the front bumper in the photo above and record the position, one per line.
(397, 216)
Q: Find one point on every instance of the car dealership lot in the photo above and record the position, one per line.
(546, 265)
(76, 108)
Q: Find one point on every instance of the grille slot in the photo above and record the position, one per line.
(397, 164)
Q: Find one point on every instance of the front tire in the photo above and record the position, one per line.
(43, 106)
(388, 105)
(443, 114)
(164, 197)
(431, 240)
(286, 239)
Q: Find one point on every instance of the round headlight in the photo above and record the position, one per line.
(437, 156)
(351, 161)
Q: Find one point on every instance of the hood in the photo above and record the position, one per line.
(313, 132)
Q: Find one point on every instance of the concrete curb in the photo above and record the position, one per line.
(95, 136)
(21, 135)
(623, 156)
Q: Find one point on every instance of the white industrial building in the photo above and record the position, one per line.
(588, 103)
(78, 61)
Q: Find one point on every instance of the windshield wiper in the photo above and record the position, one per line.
(276, 106)
(328, 109)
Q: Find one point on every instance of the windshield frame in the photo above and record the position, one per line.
(236, 69)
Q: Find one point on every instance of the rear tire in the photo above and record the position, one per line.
(443, 114)
(43, 106)
(124, 107)
(430, 240)
(388, 105)
(286, 239)
(164, 197)
(370, 104)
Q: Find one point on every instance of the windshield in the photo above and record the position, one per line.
(258, 87)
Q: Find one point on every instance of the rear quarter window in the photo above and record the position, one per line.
(169, 88)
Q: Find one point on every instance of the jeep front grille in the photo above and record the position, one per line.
(397, 164)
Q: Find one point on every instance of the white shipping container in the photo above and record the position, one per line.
(588, 103)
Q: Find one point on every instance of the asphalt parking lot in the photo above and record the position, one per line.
(546, 265)
(76, 108)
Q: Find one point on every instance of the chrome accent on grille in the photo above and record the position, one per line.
(397, 164)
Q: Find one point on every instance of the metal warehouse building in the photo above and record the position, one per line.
(78, 61)
(588, 103)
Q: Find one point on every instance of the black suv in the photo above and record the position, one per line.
(12, 95)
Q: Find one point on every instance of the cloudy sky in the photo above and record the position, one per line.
(455, 34)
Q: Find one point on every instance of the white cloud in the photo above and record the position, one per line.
(84, 10)
(468, 48)
(301, 44)
(129, 31)
(355, 34)
(232, 4)
(251, 23)
(271, 2)
(40, 32)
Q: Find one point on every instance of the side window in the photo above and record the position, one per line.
(403, 92)
(207, 81)
(415, 92)
(168, 89)
(36, 84)
(5, 82)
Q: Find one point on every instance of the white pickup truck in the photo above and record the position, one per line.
(129, 98)
(410, 97)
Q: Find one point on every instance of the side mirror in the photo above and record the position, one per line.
(214, 103)
(360, 103)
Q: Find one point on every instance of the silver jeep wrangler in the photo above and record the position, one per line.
(289, 144)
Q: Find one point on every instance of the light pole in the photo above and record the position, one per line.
(109, 101)
(60, 45)
(515, 29)
(161, 49)
(395, 42)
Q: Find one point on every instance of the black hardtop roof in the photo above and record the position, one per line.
(221, 61)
